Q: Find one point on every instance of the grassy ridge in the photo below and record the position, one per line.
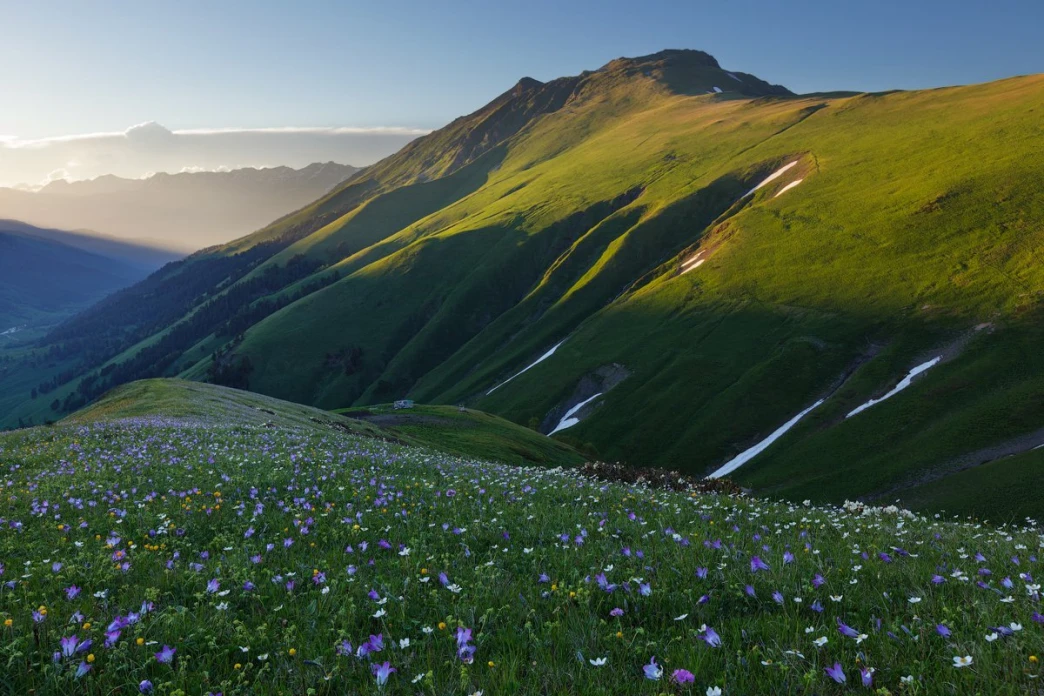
(467, 433)
(190, 401)
(444, 428)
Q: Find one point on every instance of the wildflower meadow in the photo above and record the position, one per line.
(202, 557)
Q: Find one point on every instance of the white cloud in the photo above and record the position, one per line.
(153, 130)
(149, 147)
(379, 130)
(55, 176)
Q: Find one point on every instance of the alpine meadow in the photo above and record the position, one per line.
(655, 379)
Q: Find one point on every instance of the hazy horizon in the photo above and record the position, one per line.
(149, 148)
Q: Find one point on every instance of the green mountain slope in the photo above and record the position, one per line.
(708, 255)
(47, 275)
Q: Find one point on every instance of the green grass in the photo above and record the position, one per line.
(255, 544)
(467, 433)
(1005, 489)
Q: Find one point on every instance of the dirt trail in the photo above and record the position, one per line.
(1008, 448)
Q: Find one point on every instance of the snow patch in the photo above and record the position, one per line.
(786, 188)
(692, 262)
(733, 76)
(906, 381)
(718, 90)
(686, 269)
(745, 456)
(568, 421)
(772, 177)
(536, 362)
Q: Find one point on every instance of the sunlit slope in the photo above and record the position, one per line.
(905, 223)
(919, 224)
(912, 223)
(572, 229)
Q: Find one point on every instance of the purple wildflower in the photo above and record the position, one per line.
(382, 672)
(709, 636)
(846, 630)
(683, 676)
(68, 645)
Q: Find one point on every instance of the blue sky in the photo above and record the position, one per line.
(72, 67)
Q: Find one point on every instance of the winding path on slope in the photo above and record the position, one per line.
(970, 460)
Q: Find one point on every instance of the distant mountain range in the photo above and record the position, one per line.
(660, 262)
(186, 211)
(47, 275)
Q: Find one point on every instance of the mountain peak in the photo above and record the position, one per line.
(688, 71)
(674, 70)
(675, 57)
(525, 85)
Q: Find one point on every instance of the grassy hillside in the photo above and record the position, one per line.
(444, 428)
(44, 279)
(711, 254)
(467, 433)
(192, 401)
(176, 538)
